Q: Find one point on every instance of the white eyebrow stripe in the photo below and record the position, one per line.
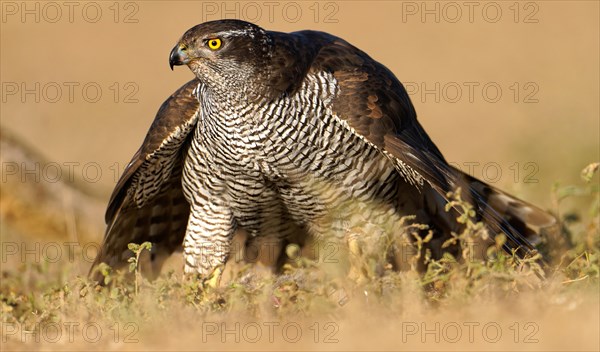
(234, 32)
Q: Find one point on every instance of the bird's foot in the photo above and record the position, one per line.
(213, 280)
(357, 272)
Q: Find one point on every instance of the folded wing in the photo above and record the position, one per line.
(147, 203)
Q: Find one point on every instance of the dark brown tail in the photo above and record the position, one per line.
(526, 226)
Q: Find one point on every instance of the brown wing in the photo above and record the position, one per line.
(370, 99)
(376, 106)
(147, 203)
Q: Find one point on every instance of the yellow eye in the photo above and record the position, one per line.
(214, 43)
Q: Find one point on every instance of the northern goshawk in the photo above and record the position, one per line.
(288, 135)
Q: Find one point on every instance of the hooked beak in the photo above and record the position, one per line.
(178, 56)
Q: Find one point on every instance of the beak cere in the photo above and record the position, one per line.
(177, 57)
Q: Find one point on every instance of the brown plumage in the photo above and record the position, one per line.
(162, 218)
(260, 69)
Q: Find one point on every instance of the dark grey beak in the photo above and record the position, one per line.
(178, 57)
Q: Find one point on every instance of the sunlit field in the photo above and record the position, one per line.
(511, 97)
(312, 304)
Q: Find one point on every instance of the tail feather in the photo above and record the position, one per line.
(523, 224)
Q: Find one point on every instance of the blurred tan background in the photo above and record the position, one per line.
(101, 72)
(82, 81)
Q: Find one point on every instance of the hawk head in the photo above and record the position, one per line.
(228, 54)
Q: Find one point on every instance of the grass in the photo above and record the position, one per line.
(455, 303)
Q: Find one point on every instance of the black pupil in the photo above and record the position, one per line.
(213, 43)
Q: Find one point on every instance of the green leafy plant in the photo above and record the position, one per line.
(134, 262)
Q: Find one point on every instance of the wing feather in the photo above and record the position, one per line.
(147, 203)
(376, 106)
